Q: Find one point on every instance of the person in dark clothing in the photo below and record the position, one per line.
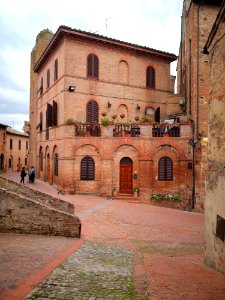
(22, 175)
(32, 175)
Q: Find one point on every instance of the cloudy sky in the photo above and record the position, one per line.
(152, 23)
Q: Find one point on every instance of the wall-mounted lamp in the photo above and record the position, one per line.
(71, 88)
(109, 104)
(138, 107)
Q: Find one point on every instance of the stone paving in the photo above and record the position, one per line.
(93, 272)
(127, 251)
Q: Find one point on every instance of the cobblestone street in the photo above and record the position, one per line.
(127, 251)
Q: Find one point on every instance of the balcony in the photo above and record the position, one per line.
(134, 130)
(82, 130)
(123, 130)
(163, 130)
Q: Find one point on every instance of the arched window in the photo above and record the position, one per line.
(150, 77)
(56, 164)
(48, 79)
(26, 145)
(11, 144)
(87, 171)
(165, 168)
(56, 70)
(19, 145)
(92, 111)
(92, 66)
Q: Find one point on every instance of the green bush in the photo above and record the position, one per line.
(173, 197)
(104, 121)
(156, 196)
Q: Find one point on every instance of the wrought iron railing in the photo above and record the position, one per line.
(123, 130)
(162, 130)
(82, 130)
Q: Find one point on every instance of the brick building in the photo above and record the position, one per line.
(90, 96)
(14, 150)
(193, 82)
(215, 199)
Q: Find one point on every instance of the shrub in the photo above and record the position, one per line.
(104, 121)
(156, 196)
(69, 121)
(173, 197)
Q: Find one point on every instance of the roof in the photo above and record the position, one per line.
(3, 125)
(13, 131)
(93, 37)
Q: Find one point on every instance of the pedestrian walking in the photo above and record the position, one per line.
(32, 174)
(22, 175)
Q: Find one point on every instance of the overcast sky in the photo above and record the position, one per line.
(152, 23)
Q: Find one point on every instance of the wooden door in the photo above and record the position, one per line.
(126, 177)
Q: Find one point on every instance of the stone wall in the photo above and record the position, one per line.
(21, 214)
(215, 198)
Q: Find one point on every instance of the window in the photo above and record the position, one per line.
(165, 168)
(26, 145)
(56, 70)
(10, 162)
(48, 79)
(11, 144)
(87, 168)
(25, 161)
(92, 112)
(41, 87)
(56, 164)
(150, 77)
(92, 66)
(51, 114)
(19, 145)
(41, 159)
(41, 121)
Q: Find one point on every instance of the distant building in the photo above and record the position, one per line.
(90, 96)
(14, 149)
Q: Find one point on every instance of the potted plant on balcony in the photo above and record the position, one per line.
(105, 121)
(114, 191)
(136, 192)
(145, 119)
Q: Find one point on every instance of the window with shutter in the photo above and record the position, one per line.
(150, 77)
(19, 145)
(54, 114)
(56, 70)
(41, 159)
(92, 112)
(165, 168)
(87, 168)
(56, 162)
(11, 144)
(41, 121)
(48, 79)
(41, 87)
(49, 115)
(92, 66)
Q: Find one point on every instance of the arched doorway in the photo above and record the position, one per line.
(126, 176)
